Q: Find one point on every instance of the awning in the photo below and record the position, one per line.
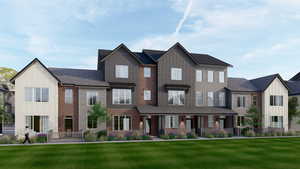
(161, 110)
(177, 87)
(122, 85)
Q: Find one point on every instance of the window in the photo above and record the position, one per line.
(176, 74)
(240, 121)
(221, 77)
(276, 121)
(254, 100)
(121, 71)
(176, 97)
(122, 123)
(147, 72)
(37, 123)
(91, 98)
(199, 98)
(210, 121)
(276, 100)
(36, 94)
(241, 101)
(210, 98)
(147, 94)
(210, 76)
(69, 96)
(121, 96)
(222, 99)
(199, 75)
(92, 122)
(172, 122)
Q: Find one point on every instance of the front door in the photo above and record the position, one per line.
(188, 125)
(36, 123)
(221, 123)
(68, 125)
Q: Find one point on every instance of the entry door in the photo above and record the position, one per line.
(221, 123)
(188, 125)
(36, 124)
(68, 124)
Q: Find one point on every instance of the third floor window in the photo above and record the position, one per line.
(121, 71)
(176, 74)
(147, 72)
(221, 77)
(241, 101)
(69, 96)
(276, 100)
(210, 76)
(91, 97)
(198, 75)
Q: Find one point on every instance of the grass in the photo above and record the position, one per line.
(276, 153)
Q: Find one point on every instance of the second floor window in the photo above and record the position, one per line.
(36, 94)
(221, 77)
(147, 72)
(222, 99)
(121, 96)
(241, 101)
(276, 100)
(91, 98)
(121, 71)
(199, 98)
(147, 94)
(210, 98)
(254, 100)
(176, 74)
(198, 75)
(210, 76)
(176, 97)
(69, 96)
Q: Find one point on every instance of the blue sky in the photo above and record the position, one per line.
(258, 37)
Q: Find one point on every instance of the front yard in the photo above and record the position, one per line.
(283, 153)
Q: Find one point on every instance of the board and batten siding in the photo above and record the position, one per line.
(35, 76)
(275, 88)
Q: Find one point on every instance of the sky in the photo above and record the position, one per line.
(258, 37)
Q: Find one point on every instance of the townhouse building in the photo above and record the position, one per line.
(294, 85)
(151, 92)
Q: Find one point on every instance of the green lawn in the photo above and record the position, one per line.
(219, 154)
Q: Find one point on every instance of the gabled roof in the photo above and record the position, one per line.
(79, 77)
(296, 77)
(263, 83)
(294, 87)
(240, 85)
(119, 47)
(36, 60)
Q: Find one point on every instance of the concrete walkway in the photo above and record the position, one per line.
(154, 140)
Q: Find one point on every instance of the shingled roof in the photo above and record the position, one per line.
(296, 77)
(80, 77)
(294, 87)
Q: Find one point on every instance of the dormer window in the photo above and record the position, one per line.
(121, 71)
(176, 74)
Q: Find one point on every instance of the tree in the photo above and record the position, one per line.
(293, 109)
(6, 74)
(98, 112)
(253, 118)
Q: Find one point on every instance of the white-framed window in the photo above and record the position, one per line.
(147, 94)
(276, 121)
(176, 74)
(91, 97)
(172, 122)
(121, 71)
(69, 96)
(176, 97)
(36, 94)
(210, 98)
(276, 100)
(199, 98)
(92, 122)
(210, 76)
(210, 121)
(199, 75)
(222, 99)
(38, 124)
(221, 77)
(240, 121)
(147, 72)
(241, 101)
(122, 123)
(121, 96)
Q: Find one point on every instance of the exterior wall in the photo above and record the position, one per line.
(147, 84)
(70, 110)
(294, 124)
(249, 102)
(35, 76)
(204, 86)
(122, 57)
(276, 88)
(84, 107)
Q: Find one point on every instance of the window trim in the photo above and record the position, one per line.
(174, 94)
(118, 102)
(119, 119)
(212, 98)
(224, 99)
(97, 123)
(199, 75)
(148, 94)
(222, 80)
(275, 102)
(120, 76)
(69, 97)
(32, 92)
(88, 98)
(199, 93)
(178, 71)
(210, 80)
(147, 75)
(242, 101)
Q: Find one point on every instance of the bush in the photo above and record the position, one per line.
(41, 138)
(102, 138)
(209, 136)
(181, 137)
(5, 140)
(291, 133)
(230, 135)
(164, 137)
(101, 133)
(146, 137)
(90, 137)
(221, 134)
(172, 136)
(191, 135)
(250, 133)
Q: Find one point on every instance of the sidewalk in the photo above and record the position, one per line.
(154, 140)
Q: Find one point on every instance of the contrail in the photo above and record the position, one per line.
(186, 14)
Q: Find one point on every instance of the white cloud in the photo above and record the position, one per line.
(185, 16)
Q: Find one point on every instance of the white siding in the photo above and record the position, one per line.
(36, 76)
(276, 88)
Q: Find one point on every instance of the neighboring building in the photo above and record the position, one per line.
(151, 92)
(268, 94)
(294, 85)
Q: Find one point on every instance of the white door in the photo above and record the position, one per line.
(222, 124)
(188, 125)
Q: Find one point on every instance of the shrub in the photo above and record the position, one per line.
(230, 135)
(221, 134)
(209, 135)
(90, 137)
(291, 133)
(5, 140)
(191, 135)
(146, 137)
(102, 138)
(250, 133)
(164, 137)
(172, 136)
(41, 138)
(181, 137)
(101, 133)
(279, 133)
